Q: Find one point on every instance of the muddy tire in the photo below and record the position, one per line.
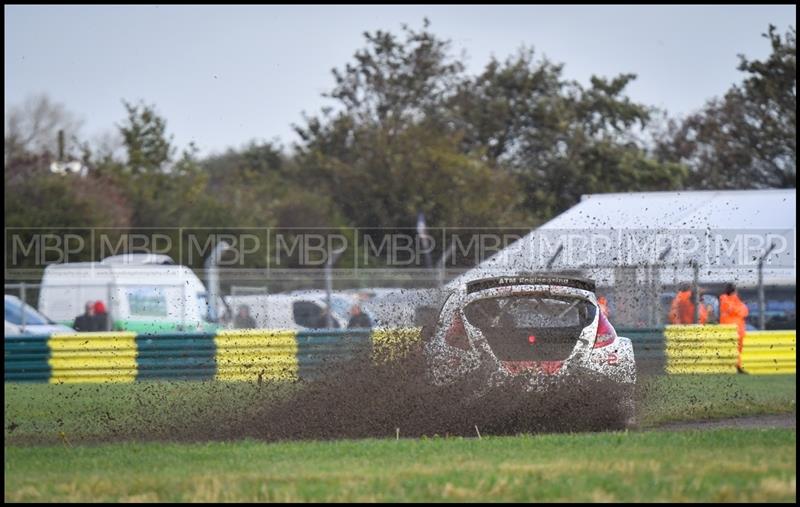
(624, 414)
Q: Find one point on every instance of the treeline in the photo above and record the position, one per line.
(411, 131)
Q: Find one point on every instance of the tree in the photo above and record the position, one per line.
(561, 139)
(252, 183)
(382, 157)
(148, 147)
(37, 198)
(32, 128)
(746, 139)
(43, 203)
(163, 191)
(396, 81)
(388, 179)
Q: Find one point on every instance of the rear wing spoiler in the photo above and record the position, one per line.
(510, 281)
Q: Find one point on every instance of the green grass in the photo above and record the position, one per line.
(48, 413)
(718, 465)
(41, 413)
(714, 465)
(674, 398)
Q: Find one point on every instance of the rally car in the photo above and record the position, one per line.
(534, 329)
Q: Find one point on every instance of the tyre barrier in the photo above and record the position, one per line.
(769, 352)
(252, 355)
(698, 348)
(265, 354)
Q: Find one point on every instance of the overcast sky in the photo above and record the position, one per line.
(223, 75)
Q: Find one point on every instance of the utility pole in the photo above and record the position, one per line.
(212, 272)
(696, 286)
(443, 262)
(656, 301)
(60, 145)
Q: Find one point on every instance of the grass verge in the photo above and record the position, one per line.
(715, 465)
(678, 398)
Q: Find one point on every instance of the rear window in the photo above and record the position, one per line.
(307, 313)
(530, 311)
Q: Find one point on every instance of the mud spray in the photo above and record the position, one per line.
(365, 398)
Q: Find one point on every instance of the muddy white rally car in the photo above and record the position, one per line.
(540, 330)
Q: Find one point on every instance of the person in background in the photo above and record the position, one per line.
(682, 309)
(243, 318)
(602, 302)
(100, 318)
(711, 316)
(85, 321)
(732, 310)
(358, 319)
(702, 314)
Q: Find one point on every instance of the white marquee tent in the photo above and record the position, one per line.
(725, 232)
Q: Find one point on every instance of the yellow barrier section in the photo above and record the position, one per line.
(92, 357)
(393, 343)
(769, 352)
(256, 354)
(697, 348)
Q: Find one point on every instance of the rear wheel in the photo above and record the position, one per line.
(624, 411)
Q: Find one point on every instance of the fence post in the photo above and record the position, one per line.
(332, 258)
(110, 316)
(762, 306)
(212, 277)
(696, 286)
(183, 306)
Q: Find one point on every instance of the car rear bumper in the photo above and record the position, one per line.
(614, 363)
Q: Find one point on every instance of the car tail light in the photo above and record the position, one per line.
(605, 332)
(456, 335)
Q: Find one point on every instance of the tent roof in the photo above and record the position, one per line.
(637, 221)
(722, 209)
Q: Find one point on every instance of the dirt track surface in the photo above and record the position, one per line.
(753, 422)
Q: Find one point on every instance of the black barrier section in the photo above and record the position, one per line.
(176, 356)
(649, 349)
(27, 358)
(319, 349)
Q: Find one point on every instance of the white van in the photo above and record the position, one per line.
(142, 293)
(297, 310)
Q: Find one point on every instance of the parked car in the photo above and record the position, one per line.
(531, 329)
(34, 321)
(399, 307)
